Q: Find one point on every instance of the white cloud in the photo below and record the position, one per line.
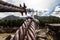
(2, 15)
(56, 12)
(35, 4)
(44, 12)
(57, 8)
(39, 4)
(4, 0)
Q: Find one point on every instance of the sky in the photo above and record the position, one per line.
(40, 5)
(57, 14)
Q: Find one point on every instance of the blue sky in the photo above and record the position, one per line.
(40, 5)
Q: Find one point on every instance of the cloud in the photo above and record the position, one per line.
(44, 12)
(40, 4)
(36, 5)
(2, 15)
(57, 8)
(56, 12)
(4, 0)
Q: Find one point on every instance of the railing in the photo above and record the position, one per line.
(6, 7)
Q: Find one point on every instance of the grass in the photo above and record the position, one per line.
(4, 35)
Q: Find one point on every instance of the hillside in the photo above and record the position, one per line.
(12, 17)
(48, 19)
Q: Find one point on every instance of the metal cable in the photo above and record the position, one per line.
(26, 31)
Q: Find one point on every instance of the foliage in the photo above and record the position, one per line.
(18, 22)
(11, 23)
(47, 19)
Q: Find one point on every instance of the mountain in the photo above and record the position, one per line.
(46, 17)
(12, 17)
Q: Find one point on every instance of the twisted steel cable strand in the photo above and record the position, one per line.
(26, 31)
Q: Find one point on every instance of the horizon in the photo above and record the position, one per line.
(24, 17)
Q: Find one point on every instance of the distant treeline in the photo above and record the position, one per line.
(11, 23)
(18, 22)
(46, 20)
(50, 20)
